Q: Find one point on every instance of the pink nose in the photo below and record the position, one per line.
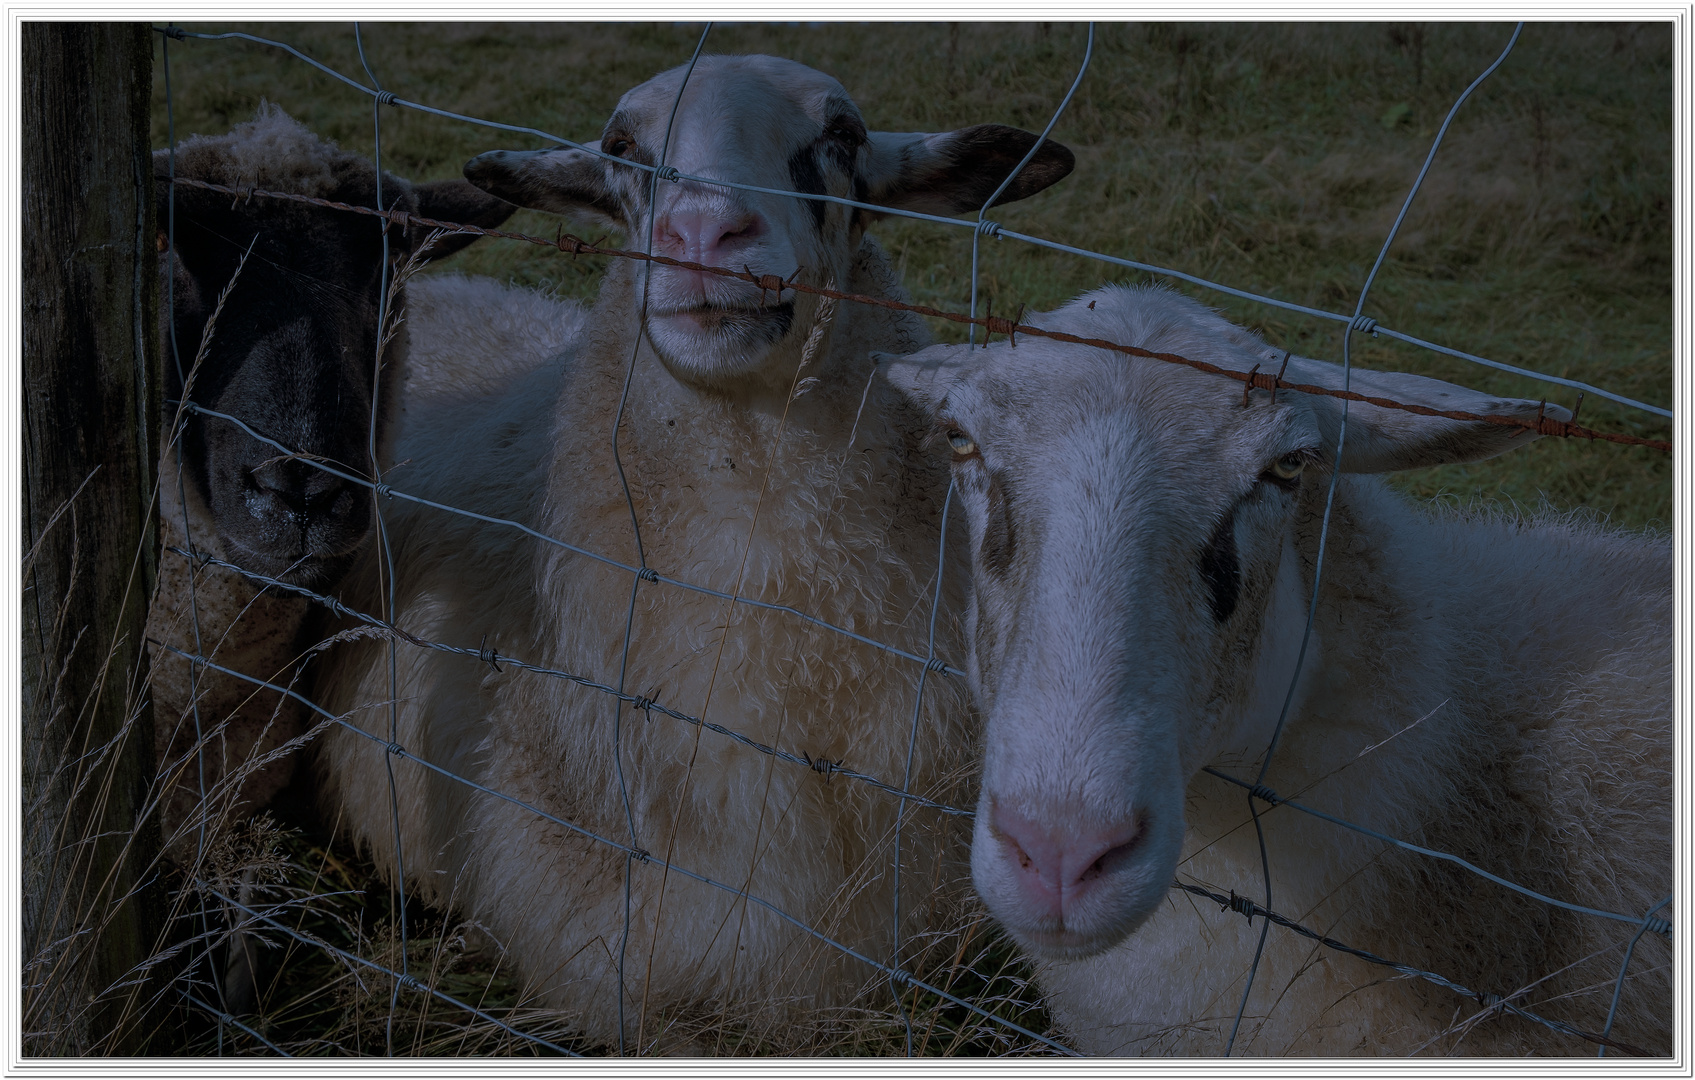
(707, 238)
(1058, 864)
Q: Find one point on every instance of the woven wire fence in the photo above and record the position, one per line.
(253, 915)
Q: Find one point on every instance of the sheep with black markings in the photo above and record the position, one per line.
(1145, 538)
(292, 353)
(737, 483)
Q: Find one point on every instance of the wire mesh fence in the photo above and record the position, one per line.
(994, 1016)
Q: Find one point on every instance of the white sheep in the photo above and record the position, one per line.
(1494, 686)
(292, 353)
(738, 483)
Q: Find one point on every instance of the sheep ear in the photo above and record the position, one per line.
(457, 201)
(563, 181)
(1384, 440)
(954, 172)
(925, 377)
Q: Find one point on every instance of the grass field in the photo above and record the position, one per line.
(1270, 158)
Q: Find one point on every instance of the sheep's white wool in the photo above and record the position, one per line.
(1495, 686)
(844, 533)
(737, 484)
(273, 151)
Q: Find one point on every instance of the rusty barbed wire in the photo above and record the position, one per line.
(981, 227)
(571, 244)
(575, 245)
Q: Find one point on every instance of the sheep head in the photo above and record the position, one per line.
(1138, 591)
(770, 123)
(293, 353)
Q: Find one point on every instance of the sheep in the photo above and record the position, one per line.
(739, 484)
(1143, 542)
(273, 316)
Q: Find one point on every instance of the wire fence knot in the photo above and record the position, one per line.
(647, 574)
(642, 704)
(410, 982)
(1657, 925)
(385, 97)
(395, 748)
(487, 655)
(936, 664)
(1364, 324)
(384, 490)
(175, 33)
(989, 228)
(667, 172)
(822, 766)
(1241, 905)
(1264, 794)
(641, 855)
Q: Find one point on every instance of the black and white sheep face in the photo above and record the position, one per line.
(293, 352)
(770, 123)
(1138, 579)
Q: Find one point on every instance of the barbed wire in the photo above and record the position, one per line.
(1659, 926)
(906, 978)
(981, 226)
(1232, 901)
(400, 978)
(828, 768)
(571, 244)
(1258, 380)
(1247, 907)
(644, 573)
(822, 766)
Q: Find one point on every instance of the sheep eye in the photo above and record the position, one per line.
(616, 147)
(1288, 467)
(962, 444)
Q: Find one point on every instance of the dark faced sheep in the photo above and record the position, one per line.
(293, 353)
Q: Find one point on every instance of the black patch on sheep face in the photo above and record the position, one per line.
(838, 149)
(1000, 540)
(806, 178)
(1221, 569)
(293, 356)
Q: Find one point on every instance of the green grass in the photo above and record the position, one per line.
(1272, 158)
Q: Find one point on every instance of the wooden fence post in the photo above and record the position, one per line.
(91, 422)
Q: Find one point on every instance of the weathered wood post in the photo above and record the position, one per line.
(90, 442)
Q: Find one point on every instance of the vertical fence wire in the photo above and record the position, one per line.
(383, 315)
(641, 558)
(1359, 322)
(984, 224)
(911, 747)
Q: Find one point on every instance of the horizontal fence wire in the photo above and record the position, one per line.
(1247, 907)
(642, 572)
(820, 765)
(563, 242)
(401, 979)
(983, 227)
(1232, 901)
(1265, 794)
(828, 768)
(1542, 425)
(641, 855)
(225, 1018)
